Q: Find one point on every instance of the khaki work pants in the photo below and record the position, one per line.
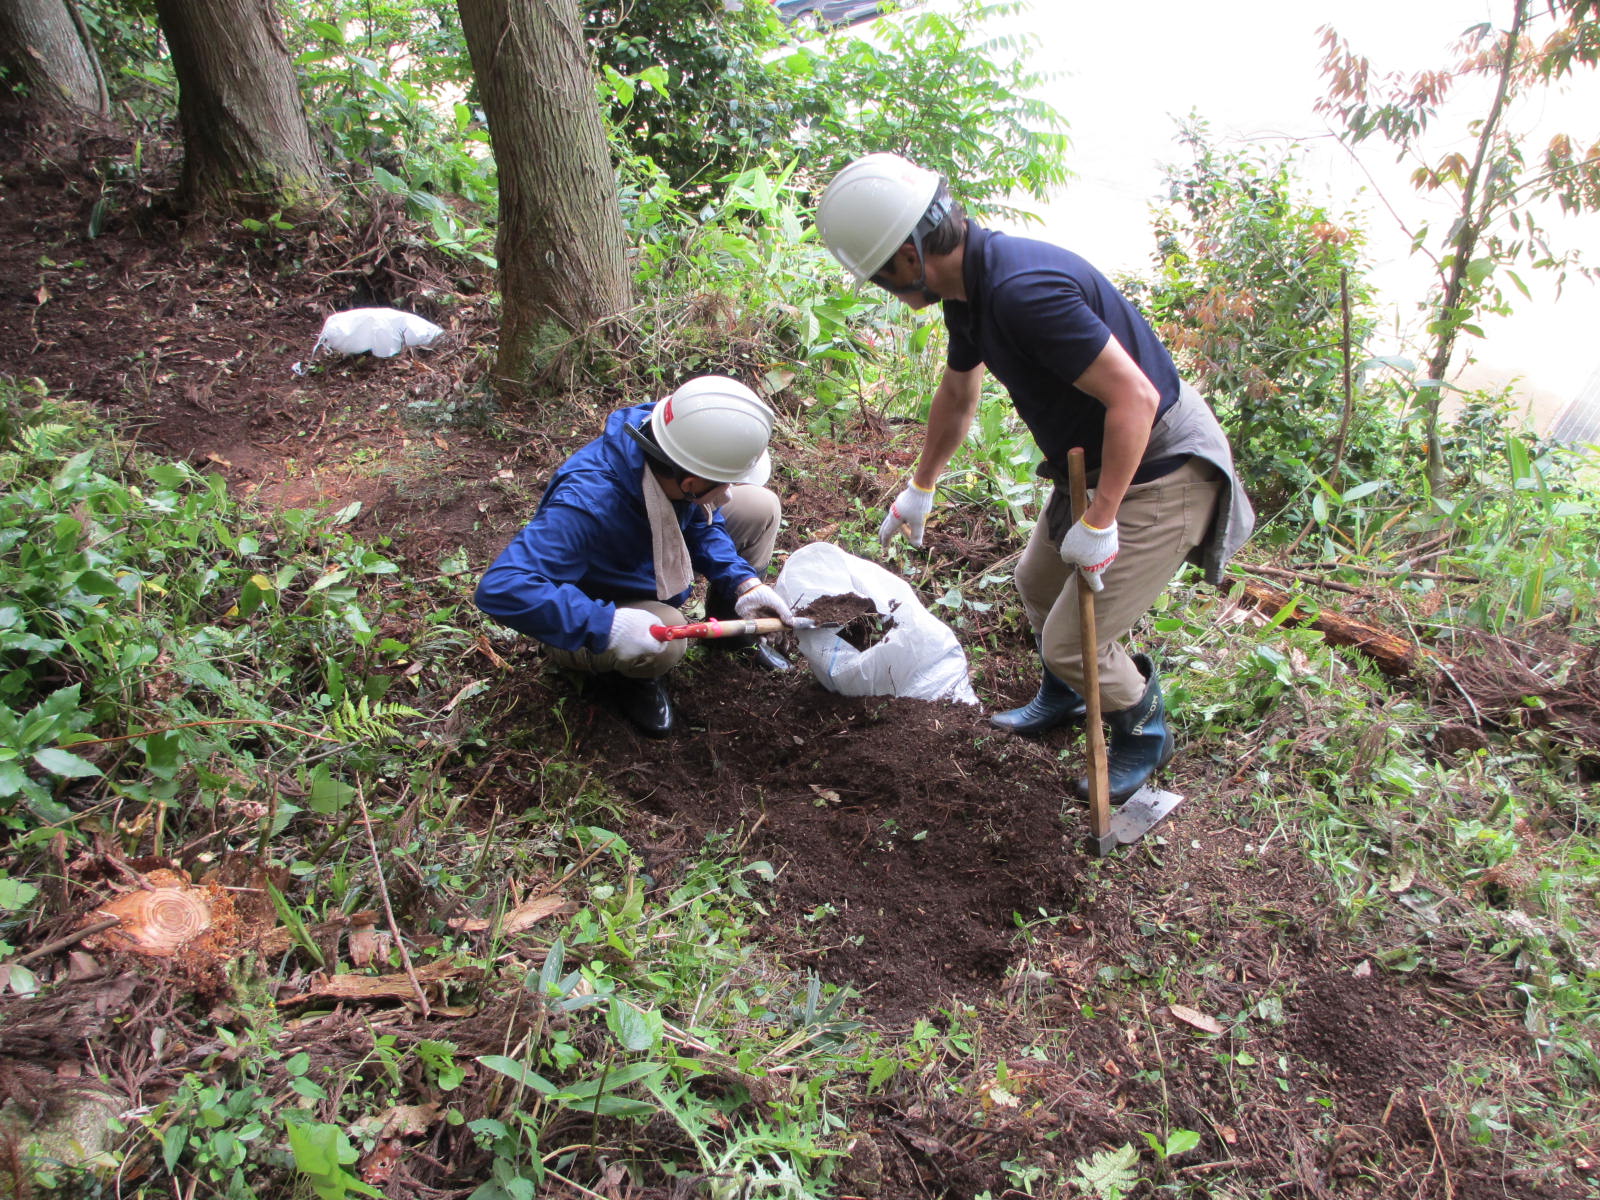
(752, 515)
(1157, 525)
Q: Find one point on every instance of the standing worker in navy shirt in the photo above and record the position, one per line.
(1083, 369)
(669, 491)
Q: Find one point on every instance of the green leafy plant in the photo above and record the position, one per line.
(1179, 1141)
(1250, 293)
(400, 117)
(321, 1153)
(1107, 1174)
(1492, 190)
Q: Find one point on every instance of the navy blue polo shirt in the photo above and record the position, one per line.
(1037, 315)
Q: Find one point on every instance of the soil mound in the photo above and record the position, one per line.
(907, 835)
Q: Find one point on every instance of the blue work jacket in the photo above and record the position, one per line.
(588, 547)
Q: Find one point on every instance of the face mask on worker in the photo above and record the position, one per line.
(712, 495)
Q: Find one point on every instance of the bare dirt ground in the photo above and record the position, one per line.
(911, 841)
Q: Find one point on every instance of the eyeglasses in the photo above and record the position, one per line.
(881, 277)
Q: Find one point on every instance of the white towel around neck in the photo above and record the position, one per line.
(674, 573)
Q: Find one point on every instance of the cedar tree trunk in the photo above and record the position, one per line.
(245, 139)
(560, 243)
(50, 60)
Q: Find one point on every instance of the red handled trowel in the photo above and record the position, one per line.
(743, 627)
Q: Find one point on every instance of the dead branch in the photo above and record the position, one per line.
(388, 909)
(1395, 656)
(71, 939)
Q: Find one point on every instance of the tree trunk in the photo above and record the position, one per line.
(245, 139)
(1476, 214)
(50, 60)
(560, 244)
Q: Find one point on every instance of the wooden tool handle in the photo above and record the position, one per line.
(1089, 650)
(750, 627)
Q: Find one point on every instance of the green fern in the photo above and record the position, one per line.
(1110, 1174)
(365, 721)
(46, 439)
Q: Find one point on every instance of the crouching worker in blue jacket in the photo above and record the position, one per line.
(669, 491)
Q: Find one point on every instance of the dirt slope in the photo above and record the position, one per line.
(911, 842)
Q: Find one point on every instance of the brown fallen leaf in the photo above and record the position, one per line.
(530, 912)
(1191, 1016)
(409, 1120)
(362, 944)
(1228, 1134)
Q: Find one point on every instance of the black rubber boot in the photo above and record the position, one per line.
(645, 702)
(1141, 741)
(762, 653)
(1055, 705)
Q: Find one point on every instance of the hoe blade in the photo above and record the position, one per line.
(1142, 812)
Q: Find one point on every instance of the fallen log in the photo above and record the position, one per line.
(1397, 657)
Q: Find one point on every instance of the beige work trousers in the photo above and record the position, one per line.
(1158, 524)
(752, 515)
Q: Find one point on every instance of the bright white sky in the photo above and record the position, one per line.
(1251, 68)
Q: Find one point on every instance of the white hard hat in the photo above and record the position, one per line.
(716, 428)
(871, 208)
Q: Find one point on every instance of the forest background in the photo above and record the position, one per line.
(391, 913)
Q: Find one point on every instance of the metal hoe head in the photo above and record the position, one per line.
(1137, 816)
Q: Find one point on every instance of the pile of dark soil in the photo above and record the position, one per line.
(909, 835)
(859, 621)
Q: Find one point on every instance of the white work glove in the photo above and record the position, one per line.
(1091, 550)
(630, 637)
(908, 514)
(762, 601)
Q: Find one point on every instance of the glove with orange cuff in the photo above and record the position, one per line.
(1091, 550)
(908, 514)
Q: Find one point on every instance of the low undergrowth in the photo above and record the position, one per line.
(265, 707)
(190, 684)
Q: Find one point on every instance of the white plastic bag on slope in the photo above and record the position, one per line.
(919, 658)
(382, 332)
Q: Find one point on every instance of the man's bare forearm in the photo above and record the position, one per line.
(949, 417)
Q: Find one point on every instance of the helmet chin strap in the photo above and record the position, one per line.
(937, 211)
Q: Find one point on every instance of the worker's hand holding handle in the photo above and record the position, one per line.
(630, 634)
(908, 515)
(1091, 550)
(758, 599)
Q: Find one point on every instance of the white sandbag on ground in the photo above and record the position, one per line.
(919, 658)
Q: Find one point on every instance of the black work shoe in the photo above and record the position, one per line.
(1055, 705)
(762, 653)
(767, 656)
(1141, 741)
(645, 703)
